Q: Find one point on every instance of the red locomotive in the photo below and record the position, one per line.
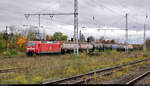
(39, 47)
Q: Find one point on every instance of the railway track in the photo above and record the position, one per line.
(138, 78)
(84, 78)
(10, 70)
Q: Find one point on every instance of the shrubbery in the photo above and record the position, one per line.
(96, 51)
(7, 53)
(13, 52)
(1, 42)
(111, 52)
(148, 48)
(10, 53)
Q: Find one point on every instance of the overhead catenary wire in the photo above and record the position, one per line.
(121, 3)
(101, 4)
(118, 21)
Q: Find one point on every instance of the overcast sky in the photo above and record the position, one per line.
(107, 13)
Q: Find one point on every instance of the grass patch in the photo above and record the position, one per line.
(49, 67)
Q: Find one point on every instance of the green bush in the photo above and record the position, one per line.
(148, 48)
(108, 51)
(111, 51)
(6, 53)
(1, 42)
(1, 45)
(10, 53)
(96, 51)
(13, 52)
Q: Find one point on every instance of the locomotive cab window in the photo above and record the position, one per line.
(31, 44)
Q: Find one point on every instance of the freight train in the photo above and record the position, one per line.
(40, 47)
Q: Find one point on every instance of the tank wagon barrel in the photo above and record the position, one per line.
(67, 47)
(118, 47)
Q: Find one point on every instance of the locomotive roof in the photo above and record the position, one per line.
(48, 42)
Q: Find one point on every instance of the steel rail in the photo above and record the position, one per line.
(92, 72)
(133, 81)
(9, 70)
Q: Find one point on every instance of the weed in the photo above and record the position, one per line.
(7, 53)
(119, 74)
(108, 52)
(20, 79)
(37, 79)
(70, 71)
(96, 51)
(74, 56)
(114, 52)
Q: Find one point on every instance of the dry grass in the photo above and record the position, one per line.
(41, 68)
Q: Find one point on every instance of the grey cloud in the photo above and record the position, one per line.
(106, 12)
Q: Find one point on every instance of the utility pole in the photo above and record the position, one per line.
(38, 32)
(76, 49)
(126, 33)
(144, 47)
(39, 20)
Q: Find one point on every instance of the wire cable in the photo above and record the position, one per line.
(101, 4)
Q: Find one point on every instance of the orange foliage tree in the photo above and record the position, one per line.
(21, 43)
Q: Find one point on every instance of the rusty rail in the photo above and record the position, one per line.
(133, 81)
(9, 70)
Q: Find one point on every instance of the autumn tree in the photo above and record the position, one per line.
(64, 38)
(12, 40)
(81, 37)
(48, 37)
(58, 36)
(21, 43)
(31, 36)
(90, 39)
